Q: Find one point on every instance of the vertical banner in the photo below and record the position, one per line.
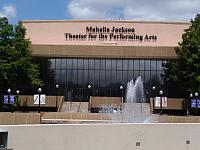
(5, 99)
(42, 99)
(11, 101)
(157, 102)
(193, 103)
(198, 103)
(164, 101)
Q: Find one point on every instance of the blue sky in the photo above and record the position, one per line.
(153, 10)
(36, 9)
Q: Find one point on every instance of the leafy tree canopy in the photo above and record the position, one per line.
(184, 73)
(16, 67)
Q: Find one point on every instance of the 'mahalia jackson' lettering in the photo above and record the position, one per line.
(123, 30)
(108, 30)
(97, 30)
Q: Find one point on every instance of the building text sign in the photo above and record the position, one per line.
(110, 34)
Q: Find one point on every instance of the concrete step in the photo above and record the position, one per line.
(75, 107)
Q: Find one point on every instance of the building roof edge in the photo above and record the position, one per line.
(106, 21)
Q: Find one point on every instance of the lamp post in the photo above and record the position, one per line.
(89, 87)
(57, 87)
(39, 93)
(196, 97)
(17, 92)
(121, 88)
(9, 92)
(161, 93)
(153, 94)
(191, 96)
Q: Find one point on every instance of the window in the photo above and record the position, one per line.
(58, 62)
(52, 63)
(104, 75)
(119, 64)
(97, 64)
(75, 64)
(130, 64)
(91, 63)
(85, 63)
(159, 65)
(3, 139)
(107, 78)
(108, 64)
(141, 65)
(80, 64)
(125, 64)
(63, 76)
(153, 65)
(96, 79)
(69, 78)
(102, 64)
(80, 78)
(102, 78)
(69, 64)
(91, 78)
(74, 78)
(147, 64)
(63, 64)
(114, 65)
(136, 65)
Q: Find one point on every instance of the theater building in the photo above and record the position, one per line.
(103, 54)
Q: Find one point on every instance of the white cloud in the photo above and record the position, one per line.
(8, 11)
(170, 10)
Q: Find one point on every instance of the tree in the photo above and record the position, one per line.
(183, 74)
(16, 67)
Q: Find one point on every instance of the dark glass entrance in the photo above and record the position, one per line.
(104, 75)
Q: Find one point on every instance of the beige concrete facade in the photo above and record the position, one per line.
(140, 39)
(103, 51)
(104, 137)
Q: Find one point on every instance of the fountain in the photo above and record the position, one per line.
(133, 110)
(135, 91)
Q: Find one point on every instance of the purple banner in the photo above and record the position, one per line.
(198, 103)
(12, 99)
(5, 99)
(193, 103)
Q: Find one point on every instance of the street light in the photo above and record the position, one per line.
(161, 93)
(89, 87)
(39, 92)
(189, 103)
(153, 88)
(17, 92)
(57, 87)
(196, 94)
(121, 88)
(191, 95)
(9, 92)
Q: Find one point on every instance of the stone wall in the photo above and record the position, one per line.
(104, 137)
